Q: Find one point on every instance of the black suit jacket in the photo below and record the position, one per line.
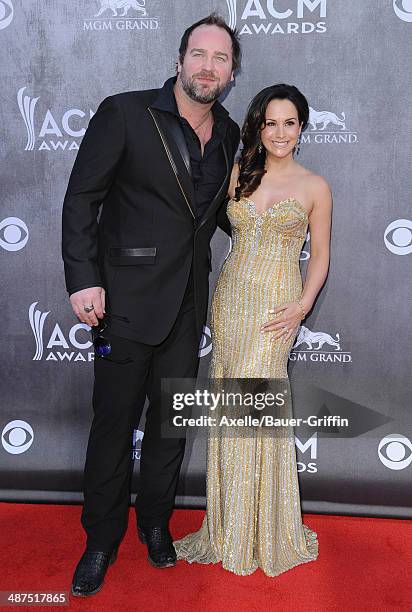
(131, 163)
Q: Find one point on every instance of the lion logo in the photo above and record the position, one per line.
(323, 118)
(125, 5)
(308, 337)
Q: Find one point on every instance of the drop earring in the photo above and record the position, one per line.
(297, 146)
(260, 148)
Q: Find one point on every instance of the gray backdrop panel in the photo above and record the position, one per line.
(59, 60)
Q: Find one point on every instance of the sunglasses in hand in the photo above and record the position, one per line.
(102, 345)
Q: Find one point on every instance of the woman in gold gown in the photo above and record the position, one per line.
(253, 517)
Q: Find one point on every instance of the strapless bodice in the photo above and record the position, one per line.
(276, 232)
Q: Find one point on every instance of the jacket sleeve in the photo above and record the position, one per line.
(91, 178)
(222, 218)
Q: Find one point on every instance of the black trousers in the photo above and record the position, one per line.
(118, 399)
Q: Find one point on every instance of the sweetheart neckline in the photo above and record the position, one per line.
(291, 198)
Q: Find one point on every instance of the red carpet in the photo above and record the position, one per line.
(363, 564)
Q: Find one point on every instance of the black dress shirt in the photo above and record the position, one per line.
(208, 171)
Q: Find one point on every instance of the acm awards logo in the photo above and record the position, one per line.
(121, 15)
(398, 237)
(56, 345)
(57, 131)
(312, 343)
(14, 234)
(6, 13)
(310, 446)
(403, 9)
(267, 17)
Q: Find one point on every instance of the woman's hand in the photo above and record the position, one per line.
(288, 318)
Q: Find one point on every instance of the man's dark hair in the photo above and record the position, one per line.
(216, 20)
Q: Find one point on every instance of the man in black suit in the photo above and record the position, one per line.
(158, 162)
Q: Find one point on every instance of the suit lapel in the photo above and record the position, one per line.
(174, 140)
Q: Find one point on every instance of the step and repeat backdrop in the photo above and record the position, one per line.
(352, 355)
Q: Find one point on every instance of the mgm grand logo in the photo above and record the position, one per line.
(318, 346)
(327, 127)
(121, 15)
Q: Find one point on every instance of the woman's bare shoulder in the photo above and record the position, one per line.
(318, 185)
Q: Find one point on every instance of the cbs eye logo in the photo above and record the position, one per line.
(398, 237)
(403, 9)
(14, 234)
(17, 437)
(205, 342)
(6, 13)
(395, 451)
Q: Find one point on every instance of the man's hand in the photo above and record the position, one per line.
(92, 296)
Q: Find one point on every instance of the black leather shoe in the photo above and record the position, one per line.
(161, 552)
(90, 572)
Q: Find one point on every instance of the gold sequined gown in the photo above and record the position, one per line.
(253, 516)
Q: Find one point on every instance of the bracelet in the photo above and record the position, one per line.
(302, 309)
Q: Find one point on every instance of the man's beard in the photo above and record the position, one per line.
(196, 92)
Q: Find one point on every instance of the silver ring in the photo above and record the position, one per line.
(286, 329)
(88, 308)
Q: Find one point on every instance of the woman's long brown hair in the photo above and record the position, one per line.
(251, 162)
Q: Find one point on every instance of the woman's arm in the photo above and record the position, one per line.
(320, 221)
